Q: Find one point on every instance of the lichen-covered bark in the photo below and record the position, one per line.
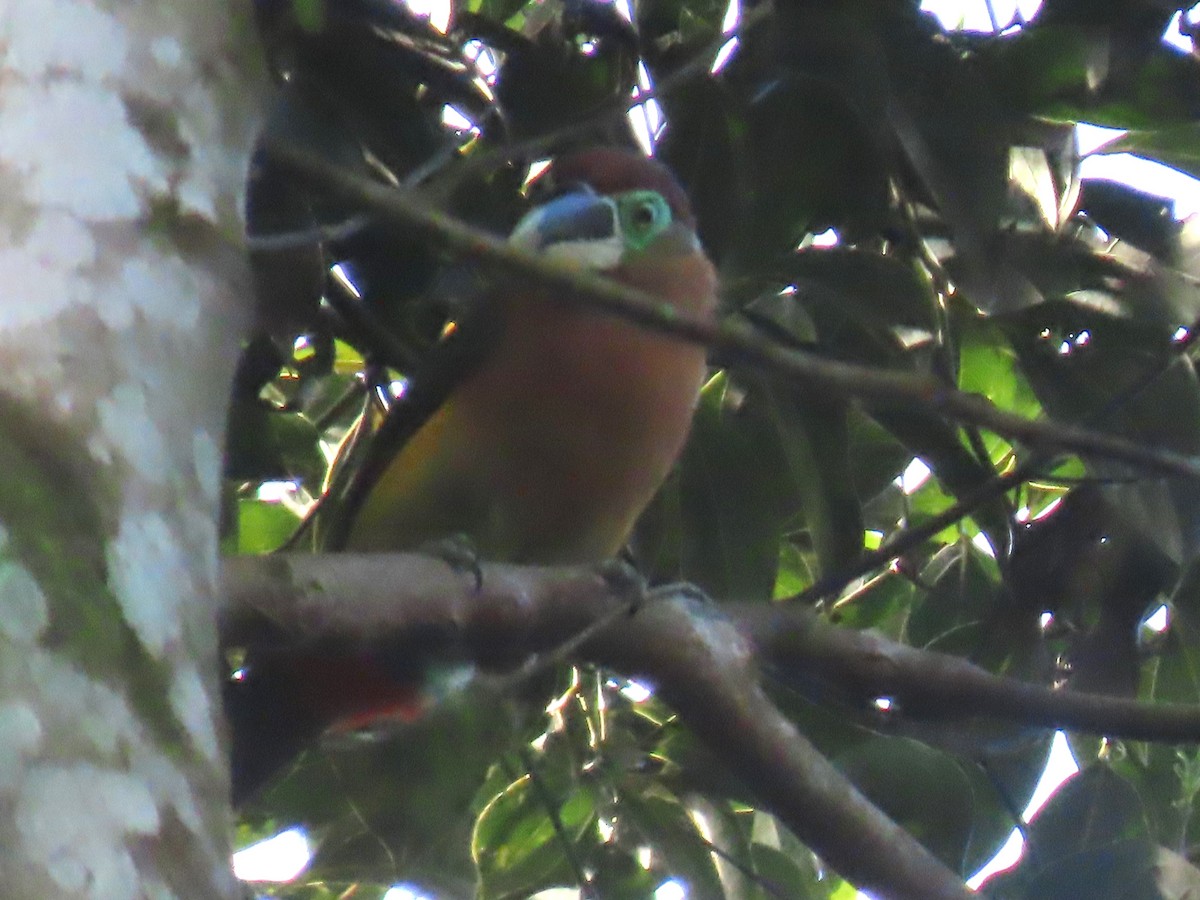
(124, 134)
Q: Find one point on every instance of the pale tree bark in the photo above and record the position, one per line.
(124, 134)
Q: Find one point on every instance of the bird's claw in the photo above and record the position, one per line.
(623, 580)
(459, 553)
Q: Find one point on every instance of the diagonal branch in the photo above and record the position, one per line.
(940, 686)
(732, 339)
(914, 535)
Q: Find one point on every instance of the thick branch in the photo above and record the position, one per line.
(524, 610)
(698, 661)
(730, 337)
(702, 659)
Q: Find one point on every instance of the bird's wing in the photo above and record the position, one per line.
(460, 353)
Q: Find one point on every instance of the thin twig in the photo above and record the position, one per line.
(991, 11)
(587, 890)
(278, 241)
(540, 145)
(509, 683)
(915, 535)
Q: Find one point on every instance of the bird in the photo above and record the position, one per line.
(549, 448)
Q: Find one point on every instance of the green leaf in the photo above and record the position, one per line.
(1177, 146)
(928, 792)
(310, 14)
(672, 23)
(736, 493)
(878, 457)
(1120, 871)
(884, 604)
(814, 438)
(1066, 72)
(988, 366)
(881, 291)
(1095, 809)
(938, 444)
(811, 165)
(1175, 670)
(665, 825)
(705, 145)
(266, 444)
(515, 844)
(368, 800)
(788, 876)
(496, 10)
(1122, 377)
(264, 527)
(1040, 68)
(964, 589)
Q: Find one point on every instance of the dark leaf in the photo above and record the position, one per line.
(1095, 809)
(1122, 871)
(926, 791)
(1144, 219)
(736, 495)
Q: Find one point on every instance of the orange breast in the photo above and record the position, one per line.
(550, 452)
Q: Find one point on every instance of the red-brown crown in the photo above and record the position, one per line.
(614, 170)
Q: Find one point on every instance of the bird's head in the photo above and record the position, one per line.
(609, 209)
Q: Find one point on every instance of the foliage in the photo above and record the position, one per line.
(968, 248)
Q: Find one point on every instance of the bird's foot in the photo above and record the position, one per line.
(459, 553)
(624, 581)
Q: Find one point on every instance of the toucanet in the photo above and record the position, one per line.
(554, 443)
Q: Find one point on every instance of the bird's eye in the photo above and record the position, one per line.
(643, 216)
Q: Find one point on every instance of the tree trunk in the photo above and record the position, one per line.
(124, 134)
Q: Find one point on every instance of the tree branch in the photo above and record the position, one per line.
(367, 598)
(937, 685)
(699, 662)
(913, 536)
(702, 659)
(731, 338)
